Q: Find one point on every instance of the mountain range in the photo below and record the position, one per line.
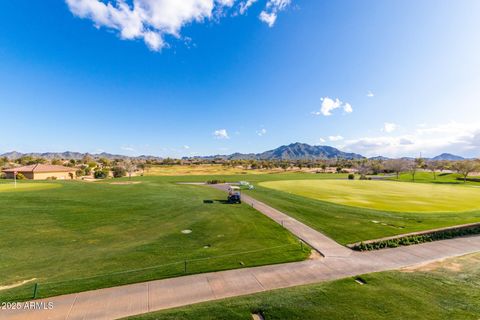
(294, 151)
(73, 155)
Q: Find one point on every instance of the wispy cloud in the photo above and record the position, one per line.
(454, 137)
(335, 138)
(262, 132)
(221, 134)
(152, 20)
(127, 148)
(389, 127)
(329, 104)
(370, 94)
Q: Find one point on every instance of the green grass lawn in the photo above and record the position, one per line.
(347, 224)
(448, 290)
(79, 236)
(385, 195)
(20, 186)
(440, 178)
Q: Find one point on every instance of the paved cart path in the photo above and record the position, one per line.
(323, 244)
(128, 300)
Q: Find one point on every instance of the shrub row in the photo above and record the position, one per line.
(470, 179)
(215, 181)
(409, 240)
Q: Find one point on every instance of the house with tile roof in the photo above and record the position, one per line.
(42, 172)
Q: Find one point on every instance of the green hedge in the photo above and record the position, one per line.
(409, 240)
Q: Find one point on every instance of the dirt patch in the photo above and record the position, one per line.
(125, 182)
(452, 265)
(16, 284)
(315, 255)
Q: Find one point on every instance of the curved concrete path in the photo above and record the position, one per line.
(323, 244)
(128, 300)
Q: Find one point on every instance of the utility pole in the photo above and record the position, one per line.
(15, 178)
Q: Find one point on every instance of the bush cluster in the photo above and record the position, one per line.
(409, 240)
(20, 176)
(101, 174)
(351, 176)
(215, 181)
(119, 172)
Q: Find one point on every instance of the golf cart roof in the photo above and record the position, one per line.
(234, 188)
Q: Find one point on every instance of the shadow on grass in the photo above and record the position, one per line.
(217, 201)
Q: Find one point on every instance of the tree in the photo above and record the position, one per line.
(57, 162)
(413, 167)
(396, 166)
(3, 161)
(101, 173)
(119, 171)
(104, 162)
(465, 167)
(130, 168)
(433, 166)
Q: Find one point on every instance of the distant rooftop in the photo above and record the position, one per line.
(40, 168)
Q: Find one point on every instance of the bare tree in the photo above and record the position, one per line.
(130, 167)
(397, 166)
(413, 167)
(465, 167)
(433, 166)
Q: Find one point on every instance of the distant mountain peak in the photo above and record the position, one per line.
(448, 156)
(293, 151)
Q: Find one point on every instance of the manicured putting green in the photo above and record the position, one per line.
(10, 187)
(385, 195)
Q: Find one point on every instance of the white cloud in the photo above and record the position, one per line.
(453, 137)
(370, 94)
(347, 107)
(328, 105)
(335, 138)
(152, 20)
(269, 15)
(127, 148)
(389, 127)
(268, 18)
(262, 132)
(221, 134)
(244, 5)
(321, 140)
(186, 147)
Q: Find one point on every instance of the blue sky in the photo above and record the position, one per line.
(397, 77)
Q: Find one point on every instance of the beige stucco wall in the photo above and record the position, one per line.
(58, 175)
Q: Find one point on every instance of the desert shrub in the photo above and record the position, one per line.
(52, 178)
(351, 176)
(20, 176)
(215, 181)
(119, 172)
(101, 173)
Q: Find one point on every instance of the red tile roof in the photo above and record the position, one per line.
(40, 168)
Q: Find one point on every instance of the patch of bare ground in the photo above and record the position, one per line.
(459, 264)
(315, 255)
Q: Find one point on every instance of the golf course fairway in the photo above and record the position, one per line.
(385, 195)
(10, 187)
